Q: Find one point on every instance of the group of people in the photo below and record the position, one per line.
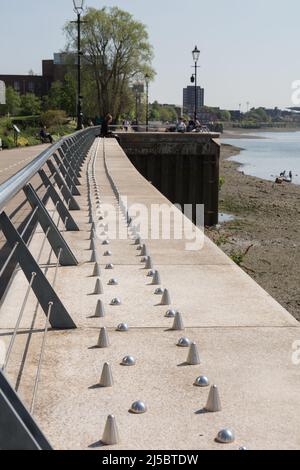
(45, 136)
(183, 125)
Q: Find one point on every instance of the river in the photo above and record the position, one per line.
(270, 154)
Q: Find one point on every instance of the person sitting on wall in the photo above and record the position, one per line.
(181, 126)
(105, 132)
(45, 136)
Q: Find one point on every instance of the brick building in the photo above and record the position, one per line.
(52, 70)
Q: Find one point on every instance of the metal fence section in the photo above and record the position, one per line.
(58, 168)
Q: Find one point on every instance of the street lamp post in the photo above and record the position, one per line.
(78, 8)
(196, 55)
(147, 79)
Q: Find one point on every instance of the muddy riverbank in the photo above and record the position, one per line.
(264, 238)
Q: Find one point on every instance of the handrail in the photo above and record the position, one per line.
(16, 183)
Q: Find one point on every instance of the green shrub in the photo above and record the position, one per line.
(6, 123)
(7, 142)
(54, 118)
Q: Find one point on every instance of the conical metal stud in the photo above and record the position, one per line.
(193, 357)
(106, 379)
(100, 311)
(98, 288)
(128, 361)
(178, 322)
(213, 402)
(225, 436)
(151, 273)
(97, 270)
(138, 407)
(105, 242)
(201, 381)
(156, 279)
(123, 327)
(113, 282)
(171, 313)
(166, 299)
(107, 253)
(116, 301)
(159, 291)
(103, 341)
(144, 251)
(149, 263)
(111, 434)
(183, 342)
(94, 257)
(93, 245)
(93, 235)
(109, 266)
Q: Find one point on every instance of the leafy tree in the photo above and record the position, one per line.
(257, 115)
(62, 96)
(225, 115)
(116, 52)
(30, 104)
(13, 101)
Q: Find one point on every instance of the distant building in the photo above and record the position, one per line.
(206, 115)
(235, 115)
(2, 93)
(52, 70)
(189, 99)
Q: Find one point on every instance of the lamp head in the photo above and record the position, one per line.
(196, 54)
(78, 6)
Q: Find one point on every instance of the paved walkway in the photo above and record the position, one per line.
(244, 338)
(12, 161)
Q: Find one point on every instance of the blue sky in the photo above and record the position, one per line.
(249, 49)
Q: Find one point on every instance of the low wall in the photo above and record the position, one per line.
(184, 167)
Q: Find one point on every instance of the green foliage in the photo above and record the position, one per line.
(237, 257)
(257, 115)
(225, 115)
(30, 104)
(221, 182)
(53, 118)
(13, 101)
(7, 142)
(158, 112)
(62, 96)
(117, 52)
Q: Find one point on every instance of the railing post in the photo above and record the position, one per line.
(55, 238)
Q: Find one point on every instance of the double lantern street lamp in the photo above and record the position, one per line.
(78, 8)
(196, 55)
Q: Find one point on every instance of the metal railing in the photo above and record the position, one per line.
(58, 168)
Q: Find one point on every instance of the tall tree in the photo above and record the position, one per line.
(62, 95)
(13, 101)
(116, 52)
(30, 104)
